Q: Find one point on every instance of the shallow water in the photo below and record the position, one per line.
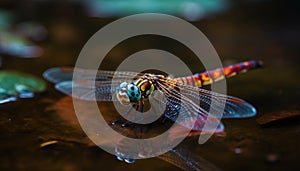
(247, 31)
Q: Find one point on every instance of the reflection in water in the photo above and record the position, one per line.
(185, 160)
(179, 156)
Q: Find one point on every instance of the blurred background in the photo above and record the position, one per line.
(36, 35)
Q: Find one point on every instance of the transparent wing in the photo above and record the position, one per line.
(184, 111)
(195, 105)
(103, 89)
(56, 75)
(59, 74)
(100, 91)
(234, 107)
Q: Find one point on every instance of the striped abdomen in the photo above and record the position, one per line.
(215, 75)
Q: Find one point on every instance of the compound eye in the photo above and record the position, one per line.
(133, 93)
(121, 93)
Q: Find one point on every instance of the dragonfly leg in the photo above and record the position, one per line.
(142, 115)
(120, 117)
(134, 116)
(142, 112)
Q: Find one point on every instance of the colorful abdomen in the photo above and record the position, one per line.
(215, 75)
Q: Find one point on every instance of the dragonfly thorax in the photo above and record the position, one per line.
(128, 93)
(145, 86)
(133, 92)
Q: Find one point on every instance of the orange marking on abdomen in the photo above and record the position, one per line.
(197, 80)
(229, 71)
(205, 78)
(217, 74)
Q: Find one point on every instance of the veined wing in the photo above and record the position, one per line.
(195, 105)
(213, 103)
(86, 90)
(59, 74)
(102, 89)
(184, 111)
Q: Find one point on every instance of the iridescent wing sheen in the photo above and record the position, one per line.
(102, 89)
(234, 107)
(59, 74)
(184, 111)
(88, 91)
(195, 104)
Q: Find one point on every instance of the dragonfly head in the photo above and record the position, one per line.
(128, 93)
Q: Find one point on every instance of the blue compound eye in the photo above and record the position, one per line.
(133, 93)
(122, 94)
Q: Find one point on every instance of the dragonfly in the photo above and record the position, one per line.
(181, 95)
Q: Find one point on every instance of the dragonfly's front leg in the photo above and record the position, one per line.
(135, 117)
(120, 117)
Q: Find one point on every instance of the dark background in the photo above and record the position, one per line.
(265, 30)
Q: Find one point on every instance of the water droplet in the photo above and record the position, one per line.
(129, 160)
(119, 158)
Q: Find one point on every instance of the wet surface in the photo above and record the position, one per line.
(261, 30)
